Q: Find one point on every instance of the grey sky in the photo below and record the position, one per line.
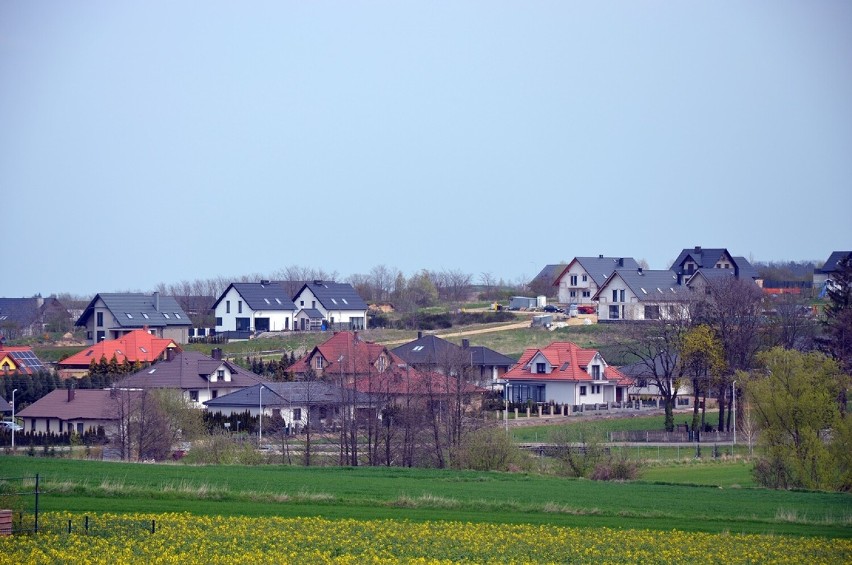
(165, 141)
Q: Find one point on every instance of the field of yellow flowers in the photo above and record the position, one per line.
(187, 539)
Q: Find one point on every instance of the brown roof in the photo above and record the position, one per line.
(83, 404)
(188, 370)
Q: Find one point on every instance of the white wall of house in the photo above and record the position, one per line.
(624, 301)
(57, 426)
(333, 314)
(583, 289)
(232, 306)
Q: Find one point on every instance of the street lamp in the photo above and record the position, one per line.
(260, 418)
(734, 395)
(13, 419)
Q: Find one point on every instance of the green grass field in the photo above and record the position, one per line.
(417, 494)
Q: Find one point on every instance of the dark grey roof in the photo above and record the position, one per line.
(150, 310)
(481, 355)
(26, 311)
(746, 269)
(188, 370)
(649, 285)
(833, 259)
(427, 350)
(600, 268)
(5, 406)
(311, 313)
(549, 273)
(433, 350)
(261, 296)
(335, 296)
(279, 395)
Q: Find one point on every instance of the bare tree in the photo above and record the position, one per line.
(732, 307)
(792, 324)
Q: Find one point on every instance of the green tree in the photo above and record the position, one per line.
(805, 439)
(702, 357)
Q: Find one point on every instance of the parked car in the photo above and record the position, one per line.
(10, 426)
(552, 308)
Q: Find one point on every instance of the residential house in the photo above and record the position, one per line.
(345, 356)
(295, 403)
(27, 317)
(565, 373)
(112, 315)
(19, 360)
(328, 304)
(5, 407)
(545, 280)
(690, 261)
(640, 294)
(432, 353)
(136, 346)
(580, 280)
(823, 274)
(645, 384)
(199, 377)
(247, 308)
(70, 410)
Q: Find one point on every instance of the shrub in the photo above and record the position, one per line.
(489, 449)
(616, 469)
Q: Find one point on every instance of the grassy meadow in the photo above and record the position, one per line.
(705, 503)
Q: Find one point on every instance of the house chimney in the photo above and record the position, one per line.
(621, 261)
(70, 394)
(698, 249)
(640, 270)
(170, 354)
(217, 353)
(156, 301)
(465, 343)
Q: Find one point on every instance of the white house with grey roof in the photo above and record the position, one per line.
(254, 307)
(640, 294)
(580, 280)
(112, 315)
(330, 304)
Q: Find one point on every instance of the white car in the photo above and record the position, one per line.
(9, 425)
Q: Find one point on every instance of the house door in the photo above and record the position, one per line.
(619, 394)
(261, 324)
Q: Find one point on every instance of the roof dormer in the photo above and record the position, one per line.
(539, 364)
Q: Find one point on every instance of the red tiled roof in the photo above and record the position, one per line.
(346, 353)
(138, 345)
(569, 362)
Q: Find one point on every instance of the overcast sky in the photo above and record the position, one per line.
(164, 141)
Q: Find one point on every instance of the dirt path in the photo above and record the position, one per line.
(513, 326)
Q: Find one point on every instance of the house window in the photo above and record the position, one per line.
(642, 383)
(319, 362)
(214, 393)
(227, 307)
(79, 427)
(585, 278)
(573, 280)
(613, 312)
(652, 312)
(621, 293)
(583, 390)
(220, 373)
(573, 293)
(101, 335)
(239, 306)
(596, 372)
(587, 293)
(193, 396)
(218, 321)
(297, 414)
(540, 368)
(615, 296)
(313, 303)
(301, 303)
(99, 319)
(596, 389)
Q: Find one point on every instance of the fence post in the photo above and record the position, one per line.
(69, 526)
(86, 526)
(153, 526)
(35, 527)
